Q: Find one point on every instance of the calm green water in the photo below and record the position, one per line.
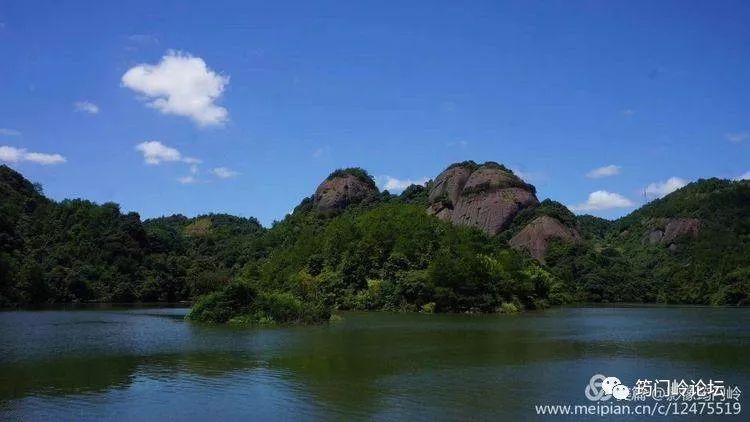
(149, 364)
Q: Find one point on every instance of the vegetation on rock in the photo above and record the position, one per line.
(361, 174)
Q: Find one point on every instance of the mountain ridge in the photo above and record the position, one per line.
(367, 249)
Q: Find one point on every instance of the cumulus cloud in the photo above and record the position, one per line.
(224, 173)
(745, 176)
(603, 200)
(180, 84)
(738, 136)
(659, 189)
(9, 132)
(17, 155)
(393, 184)
(606, 171)
(86, 107)
(154, 152)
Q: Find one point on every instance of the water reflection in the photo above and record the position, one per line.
(144, 363)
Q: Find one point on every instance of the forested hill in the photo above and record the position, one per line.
(475, 239)
(76, 250)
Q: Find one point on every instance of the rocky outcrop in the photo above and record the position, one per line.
(445, 191)
(486, 196)
(679, 227)
(535, 237)
(343, 188)
(669, 230)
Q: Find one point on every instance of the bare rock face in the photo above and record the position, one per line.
(679, 227)
(492, 211)
(666, 231)
(449, 184)
(340, 190)
(536, 235)
(487, 196)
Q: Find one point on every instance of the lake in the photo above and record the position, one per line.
(150, 364)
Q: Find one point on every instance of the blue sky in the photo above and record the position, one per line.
(244, 107)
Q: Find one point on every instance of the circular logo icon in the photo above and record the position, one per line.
(595, 391)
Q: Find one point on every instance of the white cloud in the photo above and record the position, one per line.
(738, 136)
(10, 154)
(44, 159)
(17, 155)
(603, 200)
(393, 184)
(192, 177)
(154, 152)
(745, 176)
(224, 173)
(187, 180)
(628, 112)
(9, 132)
(659, 189)
(180, 84)
(529, 176)
(86, 107)
(606, 171)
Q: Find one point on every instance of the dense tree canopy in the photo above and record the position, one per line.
(381, 254)
(619, 263)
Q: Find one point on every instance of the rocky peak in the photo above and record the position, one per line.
(343, 188)
(487, 196)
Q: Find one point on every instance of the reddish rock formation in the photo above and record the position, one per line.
(449, 184)
(536, 235)
(340, 190)
(487, 196)
(492, 211)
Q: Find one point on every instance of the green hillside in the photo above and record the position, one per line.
(692, 246)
